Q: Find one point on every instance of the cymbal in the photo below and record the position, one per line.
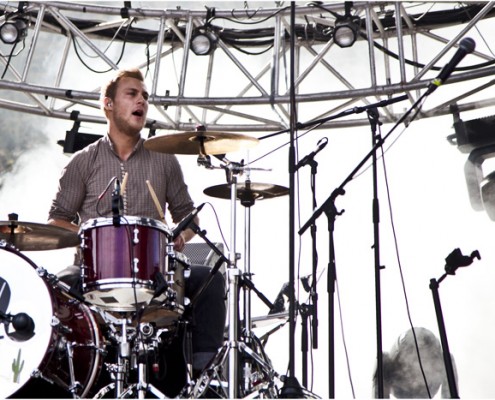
(248, 191)
(191, 142)
(29, 236)
(270, 319)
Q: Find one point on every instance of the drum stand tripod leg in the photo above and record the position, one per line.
(237, 346)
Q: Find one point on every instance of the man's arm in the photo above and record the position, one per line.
(63, 224)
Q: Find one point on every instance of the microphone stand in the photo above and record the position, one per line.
(310, 310)
(373, 117)
(291, 387)
(328, 207)
(454, 261)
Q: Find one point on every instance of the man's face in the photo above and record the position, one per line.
(130, 106)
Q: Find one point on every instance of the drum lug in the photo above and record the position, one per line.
(38, 374)
(61, 328)
(136, 236)
(41, 271)
(146, 329)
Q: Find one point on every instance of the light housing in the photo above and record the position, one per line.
(203, 42)
(13, 30)
(345, 31)
(75, 140)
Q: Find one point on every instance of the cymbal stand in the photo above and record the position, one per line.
(250, 373)
(231, 350)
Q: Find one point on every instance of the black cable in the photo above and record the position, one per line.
(420, 65)
(74, 43)
(9, 59)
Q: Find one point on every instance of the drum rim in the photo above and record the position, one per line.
(126, 221)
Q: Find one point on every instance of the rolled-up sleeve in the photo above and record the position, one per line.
(70, 194)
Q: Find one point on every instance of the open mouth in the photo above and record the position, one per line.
(138, 113)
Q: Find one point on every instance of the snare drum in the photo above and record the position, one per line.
(124, 265)
(64, 349)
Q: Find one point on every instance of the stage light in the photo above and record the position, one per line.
(13, 31)
(346, 28)
(75, 140)
(488, 194)
(203, 42)
(474, 133)
(345, 31)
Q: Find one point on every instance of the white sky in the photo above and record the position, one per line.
(431, 213)
(432, 216)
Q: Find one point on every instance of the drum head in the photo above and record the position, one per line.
(28, 294)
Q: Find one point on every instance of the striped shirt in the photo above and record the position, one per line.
(90, 170)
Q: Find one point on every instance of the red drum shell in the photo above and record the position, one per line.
(121, 264)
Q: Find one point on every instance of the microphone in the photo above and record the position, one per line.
(466, 46)
(116, 203)
(186, 221)
(307, 159)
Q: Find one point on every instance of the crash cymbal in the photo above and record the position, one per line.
(191, 143)
(29, 236)
(270, 319)
(248, 191)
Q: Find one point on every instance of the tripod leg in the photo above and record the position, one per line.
(212, 377)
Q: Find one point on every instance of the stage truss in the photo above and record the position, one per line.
(243, 85)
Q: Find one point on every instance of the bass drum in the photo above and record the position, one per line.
(63, 350)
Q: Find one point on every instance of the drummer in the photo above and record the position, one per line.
(124, 101)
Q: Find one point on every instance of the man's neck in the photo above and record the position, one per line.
(123, 145)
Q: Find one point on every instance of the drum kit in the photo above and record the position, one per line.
(105, 336)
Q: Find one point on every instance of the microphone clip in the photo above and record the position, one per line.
(117, 203)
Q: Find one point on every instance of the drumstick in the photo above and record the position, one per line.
(155, 200)
(124, 183)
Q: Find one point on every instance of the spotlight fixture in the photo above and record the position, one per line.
(474, 133)
(75, 140)
(487, 187)
(203, 42)
(346, 28)
(13, 31)
(476, 138)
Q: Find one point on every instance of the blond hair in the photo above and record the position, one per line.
(110, 88)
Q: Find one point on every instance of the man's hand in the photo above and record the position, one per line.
(179, 242)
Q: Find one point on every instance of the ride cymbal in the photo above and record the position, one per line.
(248, 191)
(200, 142)
(29, 236)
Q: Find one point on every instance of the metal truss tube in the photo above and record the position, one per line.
(275, 76)
(211, 58)
(242, 68)
(318, 58)
(175, 13)
(34, 40)
(61, 69)
(371, 47)
(70, 26)
(400, 42)
(159, 46)
(456, 38)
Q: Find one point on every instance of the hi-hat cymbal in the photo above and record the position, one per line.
(29, 236)
(248, 191)
(200, 142)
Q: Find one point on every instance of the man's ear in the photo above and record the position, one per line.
(108, 104)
